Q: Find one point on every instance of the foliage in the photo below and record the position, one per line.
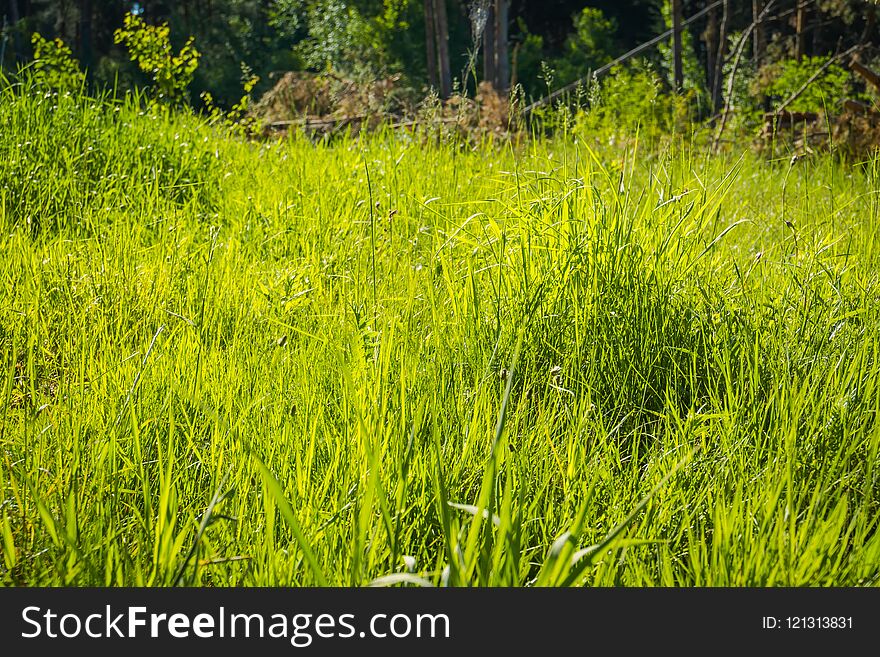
(528, 55)
(236, 117)
(54, 65)
(383, 38)
(747, 101)
(783, 79)
(346, 39)
(287, 17)
(150, 46)
(591, 44)
(632, 99)
(337, 34)
(692, 70)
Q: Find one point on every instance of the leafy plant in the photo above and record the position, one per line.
(631, 98)
(590, 45)
(782, 79)
(236, 117)
(693, 73)
(150, 46)
(342, 37)
(55, 66)
(526, 58)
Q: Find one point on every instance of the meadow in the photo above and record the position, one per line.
(396, 359)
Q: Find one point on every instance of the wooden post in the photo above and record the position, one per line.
(758, 39)
(800, 27)
(869, 75)
(677, 66)
(489, 46)
(717, 100)
(502, 57)
(759, 44)
(870, 22)
(443, 48)
(430, 44)
(710, 37)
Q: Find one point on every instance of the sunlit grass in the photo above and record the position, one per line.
(554, 362)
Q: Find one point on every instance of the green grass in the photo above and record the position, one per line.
(554, 362)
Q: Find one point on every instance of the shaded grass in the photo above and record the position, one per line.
(228, 363)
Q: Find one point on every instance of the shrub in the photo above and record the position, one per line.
(782, 79)
(350, 41)
(526, 59)
(590, 45)
(692, 68)
(150, 47)
(632, 98)
(237, 118)
(54, 65)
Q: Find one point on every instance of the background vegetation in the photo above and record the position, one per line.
(539, 45)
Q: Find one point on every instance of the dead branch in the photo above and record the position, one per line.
(857, 107)
(737, 56)
(786, 119)
(788, 101)
(870, 76)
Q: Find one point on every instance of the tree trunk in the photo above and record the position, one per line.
(14, 17)
(870, 22)
(489, 46)
(710, 37)
(677, 67)
(430, 48)
(85, 33)
(717, 100)
(759, 44)
(800, 28)
(758, 38)
(442, 32)
(502, 56)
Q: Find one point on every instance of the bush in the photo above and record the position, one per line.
(350, 41)
(54, 65)
(630, 99)
(781, 80)
(526, 58)
(588, 47)
(694, 76)
(150, 47)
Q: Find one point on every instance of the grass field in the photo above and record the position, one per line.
(556, 362)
